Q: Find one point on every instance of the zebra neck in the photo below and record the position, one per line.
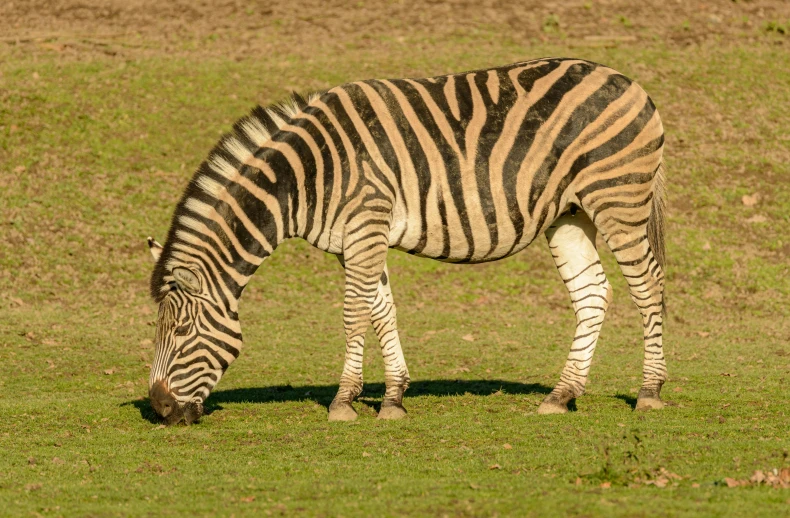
(292, 163)
(264, 204)
(252, 193)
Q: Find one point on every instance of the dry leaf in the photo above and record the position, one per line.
(757, 218)
(109, 371)
(772, 478)
(677, 389)
(606, 485)
(507, 446)
(669, 474)
(494, 466)
(750, 200)
(695, 485)
(468, 338)
(52, 46)
(706, 246)
(247, 499)
(703, 334)
(473, 485)
(365, 454)
(578, 481)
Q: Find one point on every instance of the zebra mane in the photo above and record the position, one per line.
(249, 134)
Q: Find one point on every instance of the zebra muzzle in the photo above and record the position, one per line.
(167, 407)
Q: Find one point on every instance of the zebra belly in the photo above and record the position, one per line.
(448, 237)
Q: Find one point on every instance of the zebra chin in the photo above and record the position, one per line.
(170, 409)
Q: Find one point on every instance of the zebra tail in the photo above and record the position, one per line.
(656, 224)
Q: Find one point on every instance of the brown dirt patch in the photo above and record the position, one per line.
(237, 29)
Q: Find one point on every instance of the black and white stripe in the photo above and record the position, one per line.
(462, 168)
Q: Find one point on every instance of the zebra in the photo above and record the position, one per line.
(462, 168)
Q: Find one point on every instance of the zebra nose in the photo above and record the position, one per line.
(162, 400)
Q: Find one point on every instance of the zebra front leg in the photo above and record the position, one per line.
(572, 243)
(364, 259)
(396, 373)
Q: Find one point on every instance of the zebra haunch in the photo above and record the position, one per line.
(462, 168)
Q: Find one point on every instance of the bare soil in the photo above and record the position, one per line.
(240, 29)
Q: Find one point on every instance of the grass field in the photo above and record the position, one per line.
(95, 150)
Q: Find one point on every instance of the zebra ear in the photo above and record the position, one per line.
(155, 248)
(186, 279)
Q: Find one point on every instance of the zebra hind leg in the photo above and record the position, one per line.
(632, 249)
(571, 240)
(364, 258)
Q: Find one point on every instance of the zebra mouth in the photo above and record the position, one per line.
(188, 413)
(167, 406)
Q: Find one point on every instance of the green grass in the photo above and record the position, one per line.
(94, 155)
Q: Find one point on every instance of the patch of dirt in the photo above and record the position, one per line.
(242, 29)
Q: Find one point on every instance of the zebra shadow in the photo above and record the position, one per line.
(370, 396)
(629, 400)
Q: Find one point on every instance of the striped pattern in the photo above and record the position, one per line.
(462, 168)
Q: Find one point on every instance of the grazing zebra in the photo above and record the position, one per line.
(462, 168)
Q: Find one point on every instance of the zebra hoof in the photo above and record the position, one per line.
(649, 403)
(342, 412)
(392, 412)
(552, 407)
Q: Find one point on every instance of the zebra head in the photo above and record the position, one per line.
(197, 338)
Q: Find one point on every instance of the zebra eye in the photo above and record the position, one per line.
(182, 329)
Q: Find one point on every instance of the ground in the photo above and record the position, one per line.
(106, 111)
